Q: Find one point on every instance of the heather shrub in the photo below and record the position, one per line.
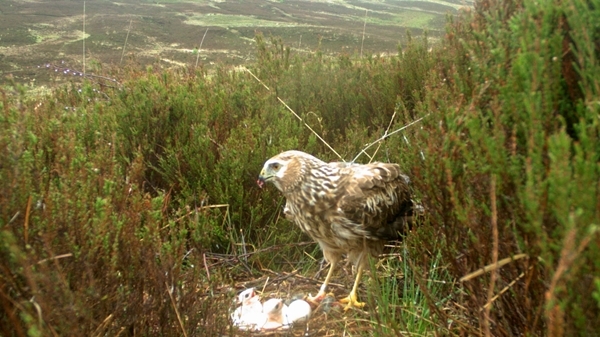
(511, 146)
(132, 208)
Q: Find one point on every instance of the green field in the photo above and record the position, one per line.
(35, 34)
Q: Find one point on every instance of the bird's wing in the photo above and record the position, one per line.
(375, 198)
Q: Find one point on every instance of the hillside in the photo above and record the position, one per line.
(35, 34)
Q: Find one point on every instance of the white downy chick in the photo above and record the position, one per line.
(274, 311)
(297, 311)
(249, 314)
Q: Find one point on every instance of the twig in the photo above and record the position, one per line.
(199, 48)
(26, 224)
(363, 34)
(102, 325)
(277, 248)
(55, 258)
(38, 310)
(264, 285)
(240, 258)
(206, 266)
(490, 294)
(243, 256)
(386, 136)
(491, 267)
(195, 210)
(322, 266)
(176, 311)
(505, 289)
(83, 40)
(126, 37)
(14, 218)
(187, 254)
(244, 246)
(569, 253)
(305, 278)
(311, 129)
(295, 114)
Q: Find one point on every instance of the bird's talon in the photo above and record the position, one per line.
(317, 299)
(351, 302)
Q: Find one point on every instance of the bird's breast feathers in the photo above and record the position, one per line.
(340, 202)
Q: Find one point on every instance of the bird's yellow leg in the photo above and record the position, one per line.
(321, 294)
(352, 299)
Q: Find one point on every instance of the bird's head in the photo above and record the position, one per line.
(285, 170)
(247, 296)
(273, 308)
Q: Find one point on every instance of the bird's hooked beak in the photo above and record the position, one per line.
(270, 172)
(262, 178)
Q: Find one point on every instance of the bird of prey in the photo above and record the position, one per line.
(348, 209)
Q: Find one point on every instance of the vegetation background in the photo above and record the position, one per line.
(130, 208)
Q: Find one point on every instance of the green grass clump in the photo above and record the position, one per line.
(134, 210)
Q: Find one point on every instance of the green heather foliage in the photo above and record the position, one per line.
(511, 147)
(114, 199)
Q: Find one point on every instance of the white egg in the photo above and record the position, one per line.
(297, 311)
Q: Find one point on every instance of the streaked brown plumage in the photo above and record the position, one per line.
(346, 208)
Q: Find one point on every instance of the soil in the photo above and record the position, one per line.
(37, 37)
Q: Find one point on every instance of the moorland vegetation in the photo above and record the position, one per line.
(130, 207)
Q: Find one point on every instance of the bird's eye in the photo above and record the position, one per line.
(275, 166)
